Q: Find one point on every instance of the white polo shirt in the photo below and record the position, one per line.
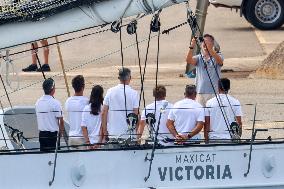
(74, 107)
(48, 110)
(115, 100)
(185, 114)
(92, 123)
(218, 125)
(163, 129)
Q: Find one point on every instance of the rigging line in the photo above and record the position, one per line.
(55, 159)
(167, 31)
(64, 41)
(94, 60)
(88, 14)
(120, 110)
(6, 92)
(193, 24)
(54, 36)
(5, 140)
(140, 67)
(218, 75)
(125, 10)
(144, 69)
(216, 71)
(223, 111)
(73, 38)
(157, 66)
(122, 65)
(251, 141)
(40, 67)
(10, 103)
(157, 17)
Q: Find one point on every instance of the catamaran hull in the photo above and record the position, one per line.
(76, 19)
(175, 167)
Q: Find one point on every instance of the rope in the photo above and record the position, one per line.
(122, 65)
(36, 50)
(95, 60)
(144, 70)
(150, 109)
(140, 69)
(155, 25)
(190, 15)
(157, 68)
(251, 141)
(6, 145)
(5, 69)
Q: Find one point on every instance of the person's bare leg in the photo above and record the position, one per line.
(44, 44)
(34, 47)
(32, 67)
(45, 66)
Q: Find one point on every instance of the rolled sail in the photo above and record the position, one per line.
(23, 21)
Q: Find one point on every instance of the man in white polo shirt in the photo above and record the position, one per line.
(162, 107)
(49, 117)
(119, 101)
(215, 125)
(186, 119)
(74, 106)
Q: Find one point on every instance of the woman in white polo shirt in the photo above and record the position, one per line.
(91, 118)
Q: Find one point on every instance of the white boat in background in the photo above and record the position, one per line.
(249, 164)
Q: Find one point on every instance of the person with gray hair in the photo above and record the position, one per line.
(49, 117)
(186, 118)
(118, 103)
(209, 61)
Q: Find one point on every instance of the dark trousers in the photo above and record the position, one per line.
(47, 141)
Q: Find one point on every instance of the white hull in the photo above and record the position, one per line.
(179, 167)
(77, 19)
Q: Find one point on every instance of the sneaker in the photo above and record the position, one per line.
(30, 68)
(44, 68)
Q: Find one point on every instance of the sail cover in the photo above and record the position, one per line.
(34, 10)
(25, 21)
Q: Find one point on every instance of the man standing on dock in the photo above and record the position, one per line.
(33, 67)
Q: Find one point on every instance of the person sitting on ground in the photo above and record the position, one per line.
(74, 106)
(215, 125)
(92, 118)
(205, 91)
(163, 108)
(33, 67)
(186, 118)
(118, 98)
(49, 117)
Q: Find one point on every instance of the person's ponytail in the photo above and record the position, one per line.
(96, 99)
